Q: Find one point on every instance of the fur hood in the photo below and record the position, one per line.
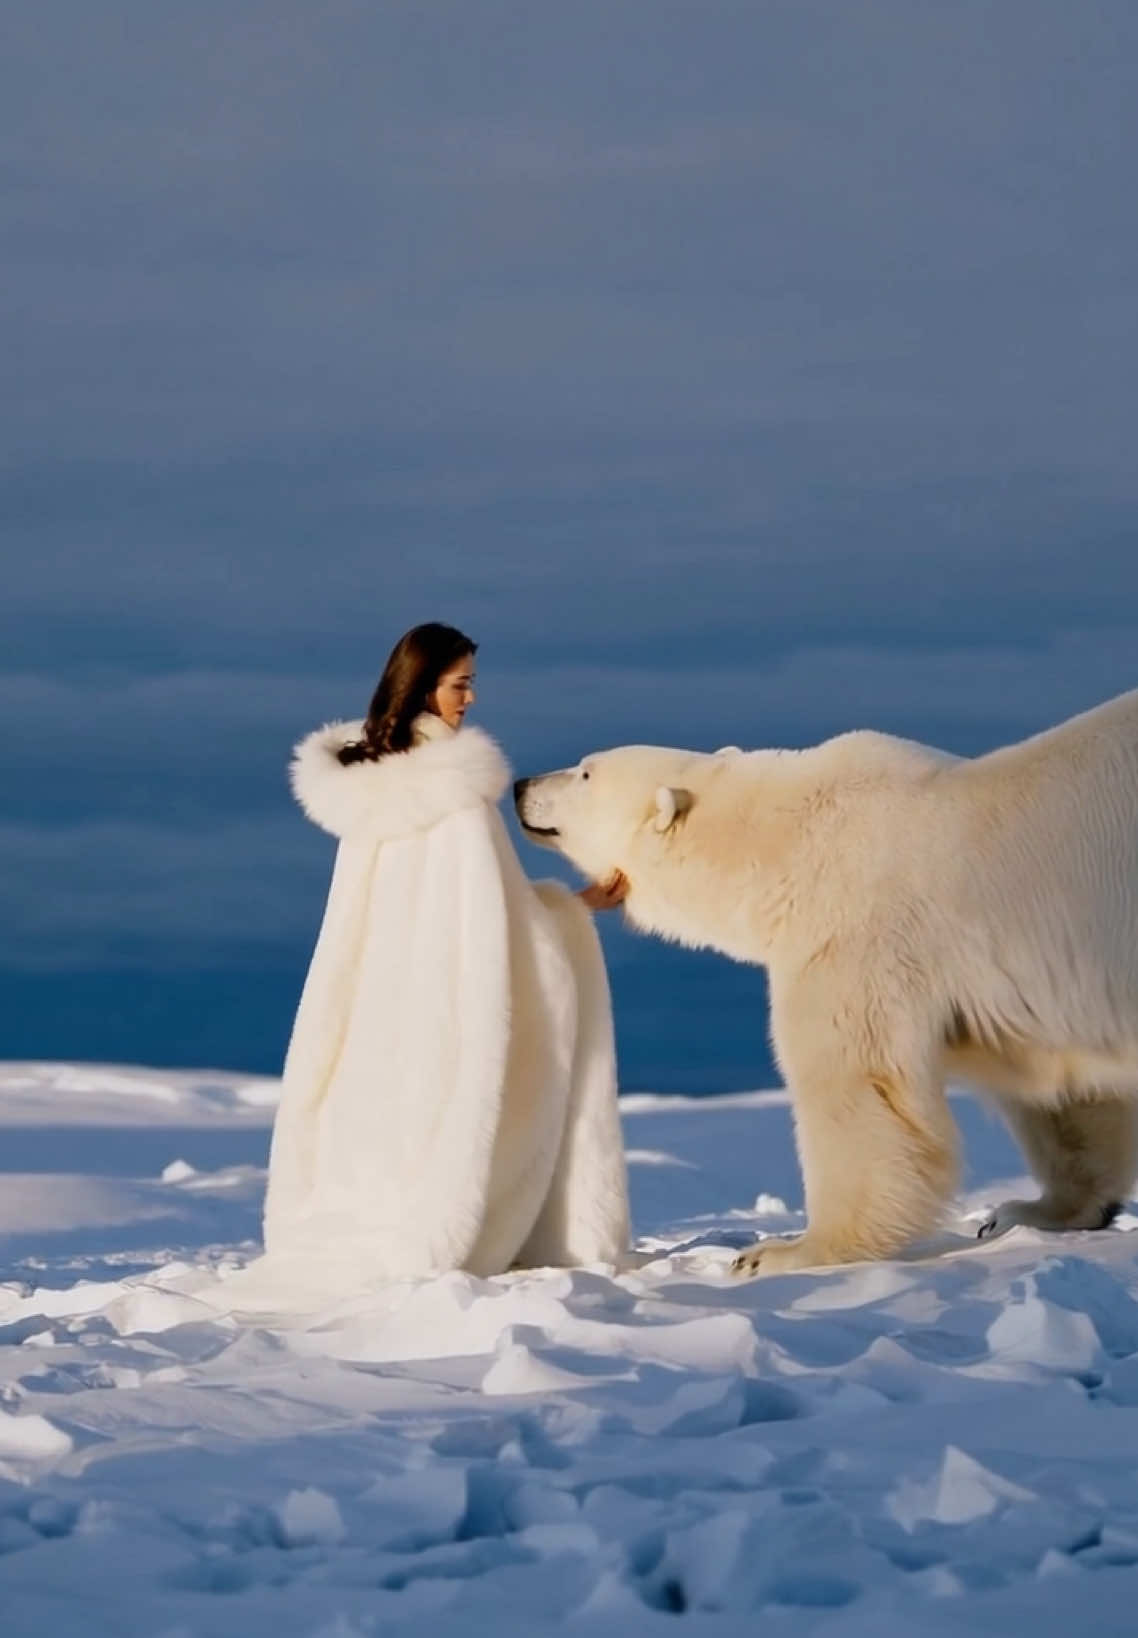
(402, 793)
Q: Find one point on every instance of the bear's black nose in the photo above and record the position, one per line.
(520, 788)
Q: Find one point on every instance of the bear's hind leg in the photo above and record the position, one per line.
(1084, 1153)
(878, 1155)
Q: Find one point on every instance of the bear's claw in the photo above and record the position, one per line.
(747, 1262)
(775, 1255)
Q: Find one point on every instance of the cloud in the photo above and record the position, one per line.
(115, 894)
(215, 743)
(171, 841)
(271, 231)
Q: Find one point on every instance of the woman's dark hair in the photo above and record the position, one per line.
(411, 675)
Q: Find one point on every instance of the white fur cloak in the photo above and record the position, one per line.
(449, 1092)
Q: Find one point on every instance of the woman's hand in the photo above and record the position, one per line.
(606, 895)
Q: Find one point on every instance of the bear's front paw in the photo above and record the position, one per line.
(772, 1256)
(747, 1262)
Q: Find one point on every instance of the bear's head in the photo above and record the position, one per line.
(596, 813)
(637, 809)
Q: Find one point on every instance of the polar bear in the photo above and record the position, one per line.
(922, 918)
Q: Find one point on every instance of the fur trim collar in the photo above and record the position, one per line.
(402, 793)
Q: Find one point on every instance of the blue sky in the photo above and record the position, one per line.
(733, 372)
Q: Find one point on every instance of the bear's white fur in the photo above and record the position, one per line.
(922, 917)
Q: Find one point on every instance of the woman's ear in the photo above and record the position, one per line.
(671, 804)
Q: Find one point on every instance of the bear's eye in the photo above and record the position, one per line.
(584, 773)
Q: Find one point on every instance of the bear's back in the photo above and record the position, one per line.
(865, 754)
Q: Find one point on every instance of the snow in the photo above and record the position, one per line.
(943, 1444)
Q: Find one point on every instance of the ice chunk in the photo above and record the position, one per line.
(310, 1518)
(1055, 1563)
(416, 1508)
(960, 1491)
(1077, 1285)
(517, 1369)
(704, 1559)
(148, 1309)
(1039, 1333)
(177, 1171)
(31, 1437)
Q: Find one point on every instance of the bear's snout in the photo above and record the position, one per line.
(531, 810)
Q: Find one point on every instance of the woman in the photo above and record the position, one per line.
(449, 1093)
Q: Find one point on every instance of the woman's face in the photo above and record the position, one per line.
(455, 692)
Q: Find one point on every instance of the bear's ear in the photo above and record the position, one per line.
(671, 804)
